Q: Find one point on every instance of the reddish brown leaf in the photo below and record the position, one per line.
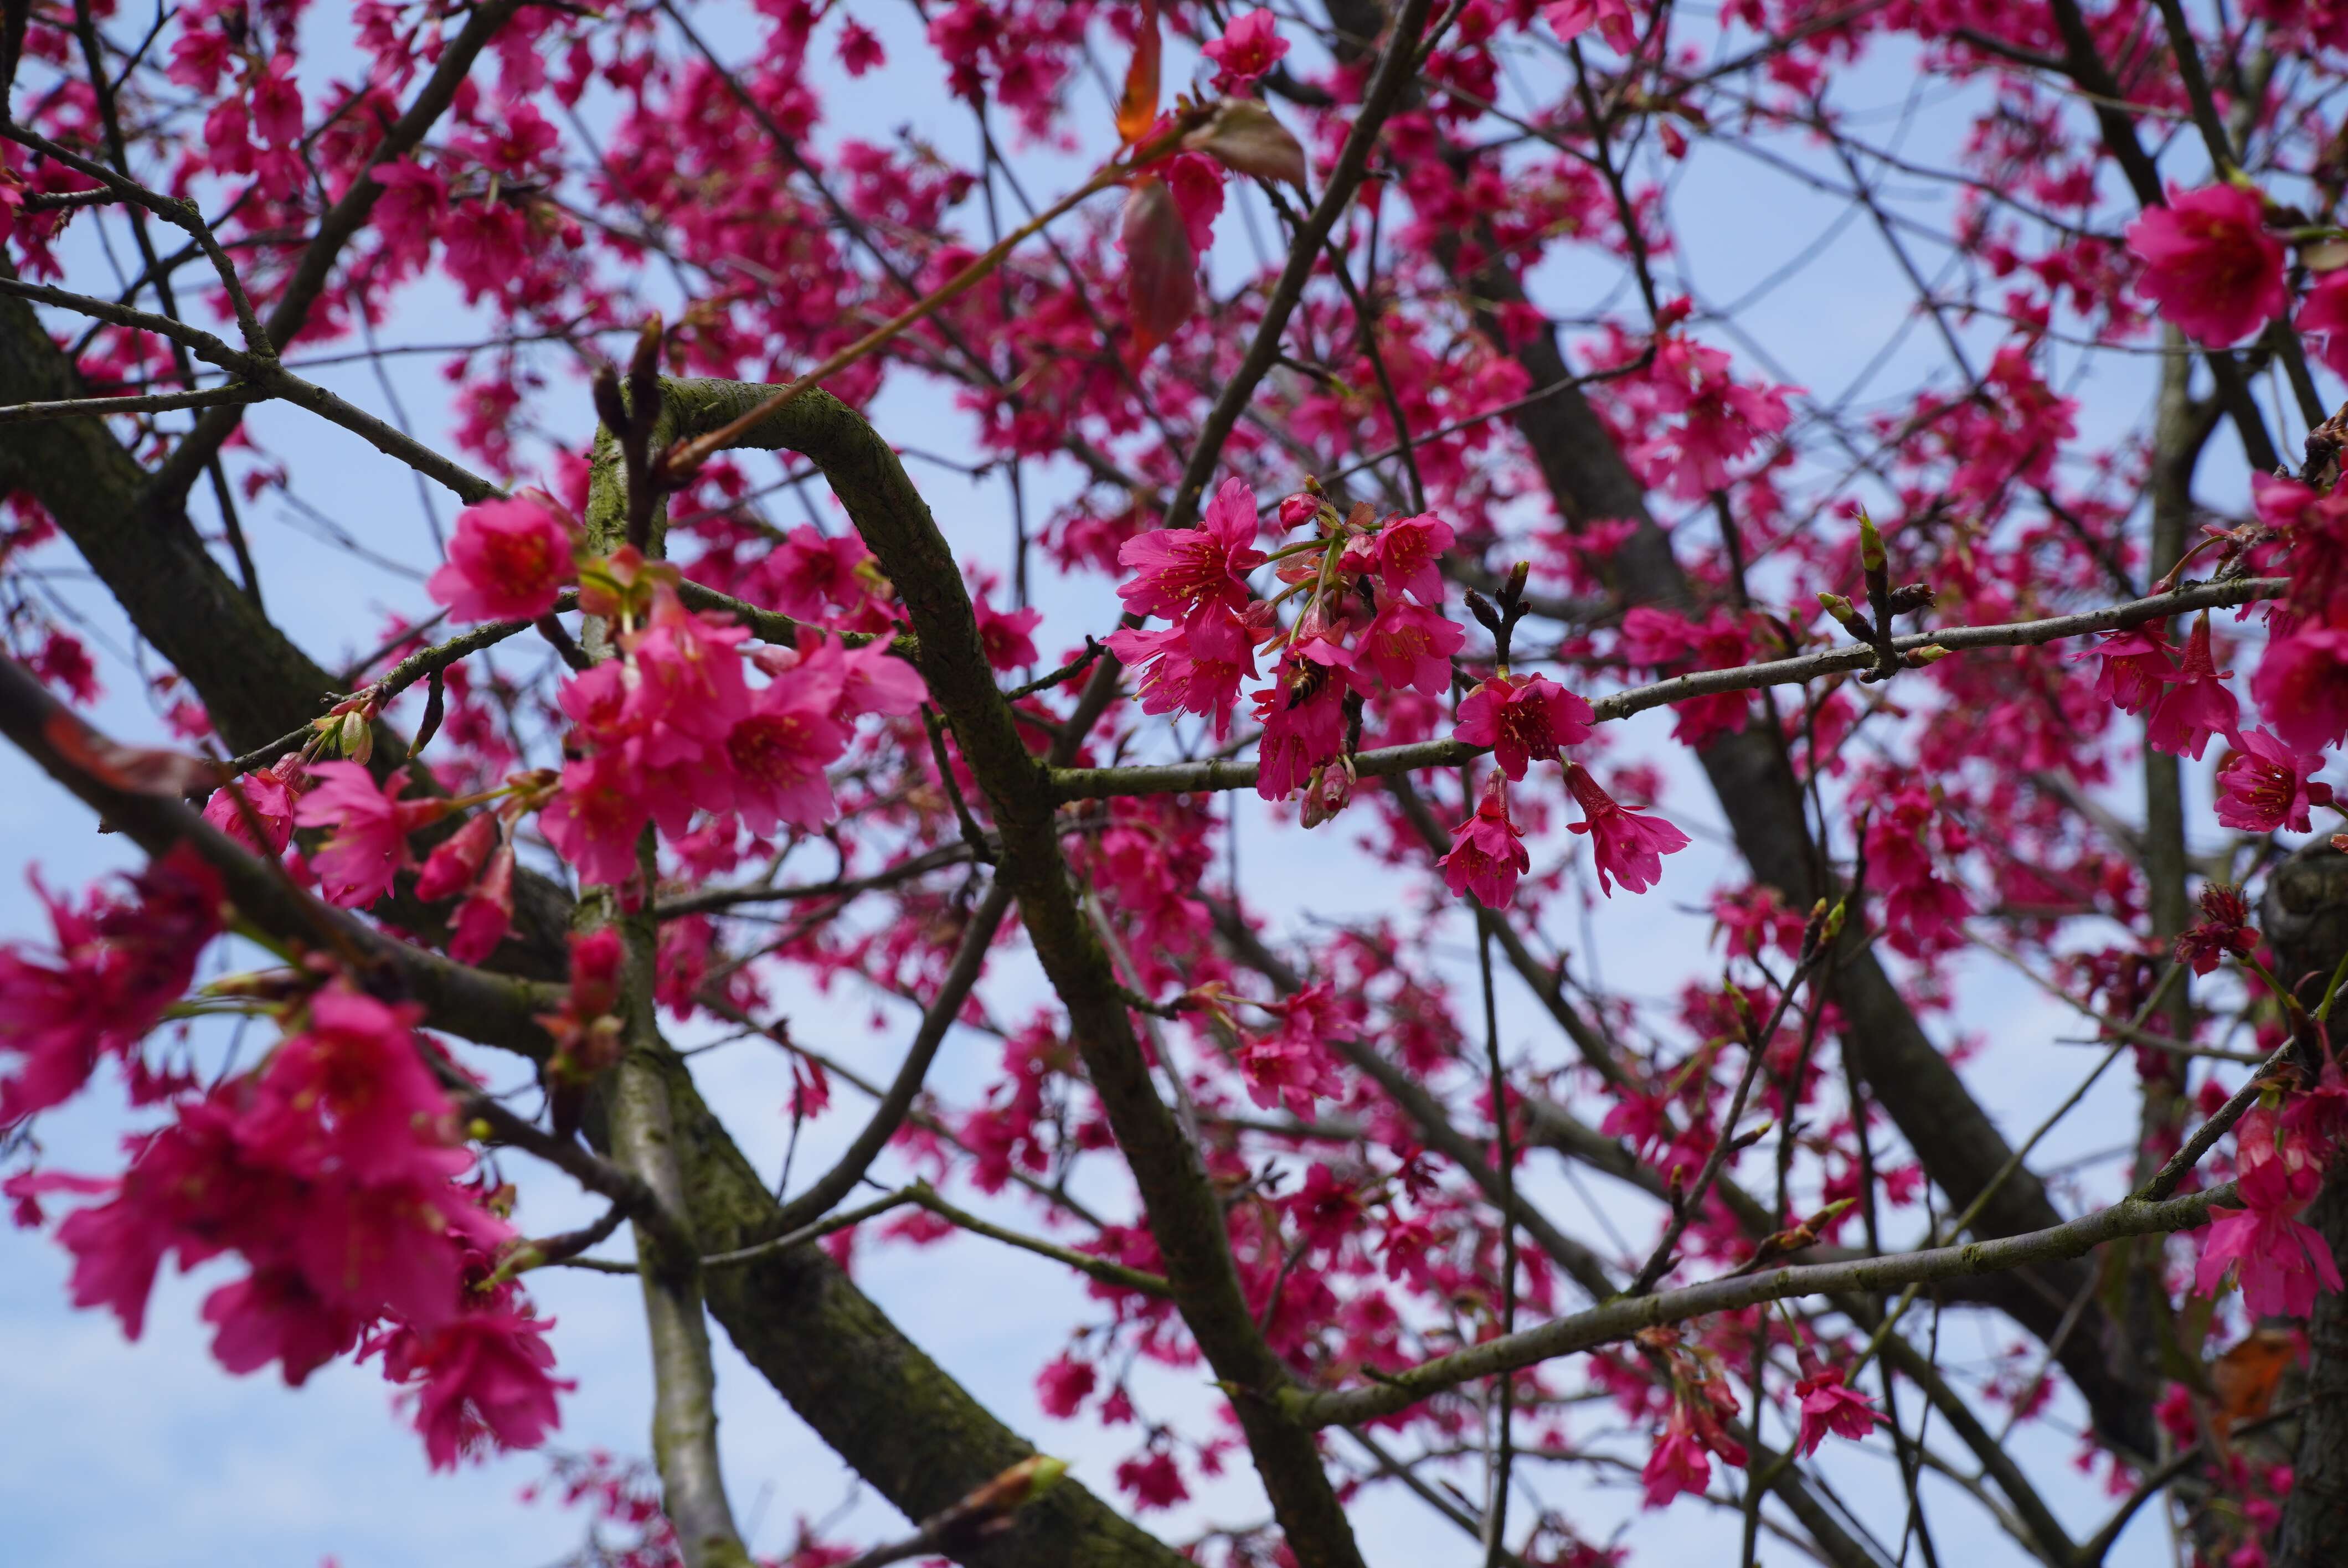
(1162, 272)
(1243, 137)
(136, 770)
(1138, 110)
(2244, 1377)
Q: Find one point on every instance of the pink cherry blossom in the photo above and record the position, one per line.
(2209, 264)
(1409, 552)
(1624, 843)
(483, 1380)
(2281, 1262)
(597, 816)
(1302, 712)
(1409, 647)
(2197, 705)
(369, 824)
(1678, 1465)
(1828, 1406)
(777, 753)
(2137, 667)
(1249, 47)
(1487, 853)
(507, 560)
(116, 964)
(1193, 668)
(1178, 571)
(2301, 687)
(2264, 785)
(1522, 720)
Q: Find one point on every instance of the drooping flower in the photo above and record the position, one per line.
(485, 1379)
(1178, 571)
(1679, 1464)
(1193, 668)
(2264, 785)
(456, 861)
(116, 965)
(1007, 636)
(1626, 844)
(1064, 1385)
(1569, 19)
(367, 847)
(1522, 720)
(2301, 687)
(270, 792)
(2281, 1263)
(487, 914)
(1288, 1070)
(1487, 853)
(2137, 666)
(1302, 712)
(507, 560)
(1248, 49)
(2209, 264)
(1829, 1406)
(2197, 705)
(273, 1314)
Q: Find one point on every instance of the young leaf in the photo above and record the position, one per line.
(1137, 111)
(1243, 137)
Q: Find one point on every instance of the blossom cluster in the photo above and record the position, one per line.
(337, 1173)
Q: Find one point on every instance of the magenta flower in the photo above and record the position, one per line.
(1247, 51)
(485, 1380)
(487, 913)
(2197, 705)
(1007, 635)
(2282, 1262)
(116, 966)
(2324, 315)
(1193, 668)
(270, 792)
(1287, 1070)
(1627, 845)
(1178, 570)
(457, 862)
(2301, 687)
(1408, 549)
(1829, 1406)
(595, 817)
(508, 562)
(273, 1314)
(350, 1096)
(1409, 646)
(689, 690)
(1679, 1464)
(2265, 784)
(2137, 666)
(1487, 853)
(779, 752)
(1569, 19)
(1302, 712)
(2209, 264)
(1522, 720)
(369, 824)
